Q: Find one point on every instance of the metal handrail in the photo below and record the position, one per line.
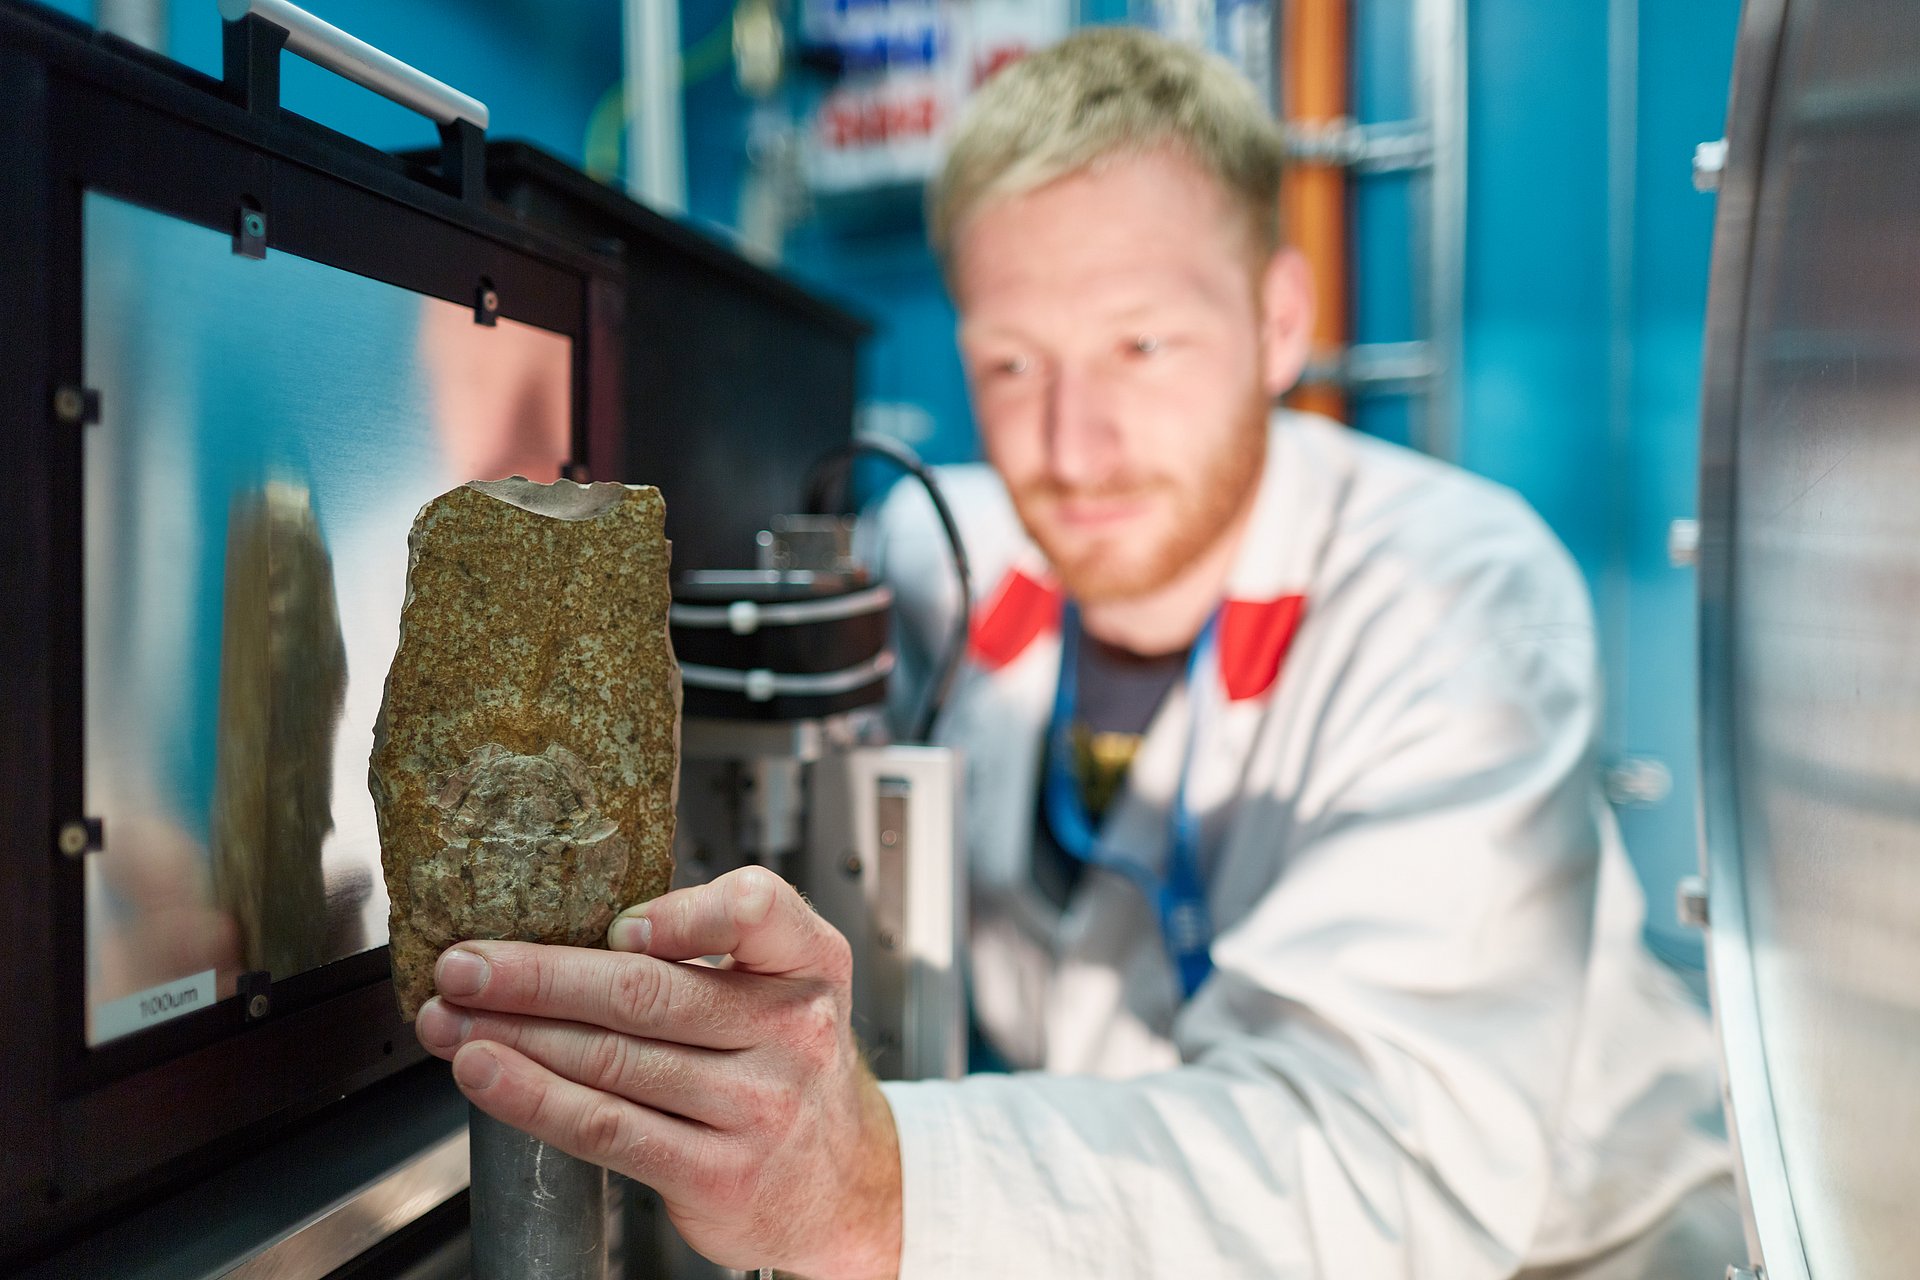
(326, 45)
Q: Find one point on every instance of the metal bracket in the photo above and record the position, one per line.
(486, 303)
(1690, 902)
(1683, 543)
(76, 406)
(1637, 782)
(250, 231)
(463, 160)
(823, 544)
(250, 63)
(1365, 148)
(81, 836)
(255, 990)
(1709, 161)
(1373, 368)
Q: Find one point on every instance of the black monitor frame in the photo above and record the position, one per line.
(85, 1131)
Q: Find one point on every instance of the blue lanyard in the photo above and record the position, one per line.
(1177, 894)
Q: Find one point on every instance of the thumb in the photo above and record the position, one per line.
(750, 914)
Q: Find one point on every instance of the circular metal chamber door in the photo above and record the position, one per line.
(1810, 633)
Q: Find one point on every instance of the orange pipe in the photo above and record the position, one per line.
(1313, 197)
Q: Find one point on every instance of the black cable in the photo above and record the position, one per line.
(908, 461)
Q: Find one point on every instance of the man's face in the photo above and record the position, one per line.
(1122, 340)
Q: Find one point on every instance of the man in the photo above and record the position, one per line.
(1288, 863)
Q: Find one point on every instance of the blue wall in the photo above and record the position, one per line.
(1586, 293)
(539, 65)
(1685, 62)
(1535, 373)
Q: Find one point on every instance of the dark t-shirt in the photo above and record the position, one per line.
(1119, 694)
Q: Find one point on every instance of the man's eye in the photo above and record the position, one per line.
(1144, 345)
(1012, 366)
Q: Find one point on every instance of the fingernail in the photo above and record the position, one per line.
(461, 973)
(630, 933)
(440, 1027)
(476, 1068)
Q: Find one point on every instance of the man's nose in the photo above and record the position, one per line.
(1082, 436)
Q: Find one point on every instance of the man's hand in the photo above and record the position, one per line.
(736, 1092)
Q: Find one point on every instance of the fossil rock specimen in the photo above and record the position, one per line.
(283, 675)
(525, 758)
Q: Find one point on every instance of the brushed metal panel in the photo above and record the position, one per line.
(1810, 559)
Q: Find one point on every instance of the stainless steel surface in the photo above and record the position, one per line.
(718, 584)
(537, 1212)
(1760, 1164)
(1376, 148)
(765, 686)
(1810, 619)
(744, 617)
(656, 140)
(1440, 72)
(773, 807)
(708, 739)
(744, 789)
(226, 381)
(328, 46)
(820, 543)
(343, 1231)
(882, 863)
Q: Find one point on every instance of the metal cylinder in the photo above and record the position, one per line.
(537, 1212)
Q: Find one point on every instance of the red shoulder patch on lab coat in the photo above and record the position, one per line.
(1021, 610)
(1254, 638)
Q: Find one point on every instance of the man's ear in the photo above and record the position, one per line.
(1286, 320)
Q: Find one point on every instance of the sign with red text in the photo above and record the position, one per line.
(908, 68)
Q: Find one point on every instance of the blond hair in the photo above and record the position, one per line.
(1102, 93)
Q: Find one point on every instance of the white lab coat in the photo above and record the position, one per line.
(1433, 1044)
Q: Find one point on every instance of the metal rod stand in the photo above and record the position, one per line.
(538, 1213)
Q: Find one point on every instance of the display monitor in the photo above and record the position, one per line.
(269, 428)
